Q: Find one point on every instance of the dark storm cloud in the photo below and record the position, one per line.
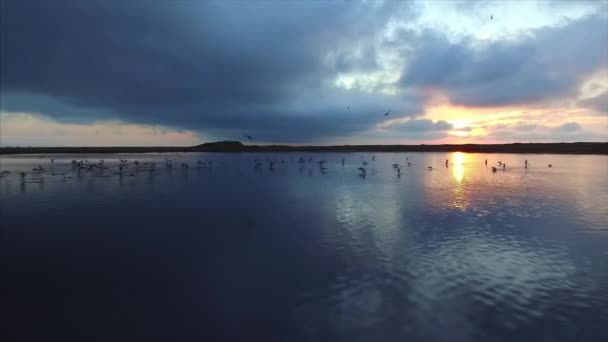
(198, 65)
(268, 68)
(546, 63)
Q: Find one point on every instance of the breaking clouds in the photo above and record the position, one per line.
(290, 72)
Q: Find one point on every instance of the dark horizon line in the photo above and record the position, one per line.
(237, 146)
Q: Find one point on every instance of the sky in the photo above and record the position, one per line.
(180, 73)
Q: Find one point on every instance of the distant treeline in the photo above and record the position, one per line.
(236, 146)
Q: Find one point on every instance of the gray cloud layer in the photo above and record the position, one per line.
(198, 65)
(598, 103)
(265, 68)
(550, 62)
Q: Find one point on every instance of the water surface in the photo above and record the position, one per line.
(234, 252)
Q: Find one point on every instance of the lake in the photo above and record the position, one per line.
(231, 250)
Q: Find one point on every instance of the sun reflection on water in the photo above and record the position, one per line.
(459, 200)
(458, 159)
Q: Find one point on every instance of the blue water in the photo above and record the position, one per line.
(231, 252)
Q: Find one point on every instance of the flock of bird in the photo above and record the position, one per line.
(127, 168)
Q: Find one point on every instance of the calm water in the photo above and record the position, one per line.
(238, 253)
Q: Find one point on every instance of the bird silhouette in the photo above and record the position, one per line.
(387, 113)
(248, 136)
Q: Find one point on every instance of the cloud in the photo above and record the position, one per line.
(598, 103)
(524, 127)
(463, 129)
(546, 63)
(218, 68)
(568, 127)
(422, 125)
(282, 72)
(418, 129)
(566, 132)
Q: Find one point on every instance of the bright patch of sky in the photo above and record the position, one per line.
(23, 129)
(496, 20)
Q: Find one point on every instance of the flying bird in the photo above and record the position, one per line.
(387, 113)
(492, 17)
(248, 136)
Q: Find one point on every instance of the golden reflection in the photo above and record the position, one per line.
(460, 199)
(458, 159)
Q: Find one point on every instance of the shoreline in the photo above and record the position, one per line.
(237, 147)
